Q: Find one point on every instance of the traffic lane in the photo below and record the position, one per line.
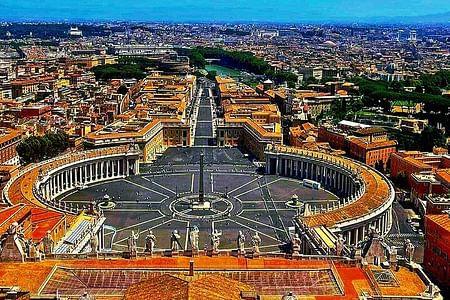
(202, 142)
(402, 230)
(204, 115)
(204, 129)
(401, 219)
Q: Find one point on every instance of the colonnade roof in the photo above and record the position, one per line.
(376, 194)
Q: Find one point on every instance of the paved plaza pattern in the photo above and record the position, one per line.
(242, 198)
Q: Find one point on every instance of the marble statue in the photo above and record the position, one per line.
(241, 242)
(175, 244)
(2, 241)
(14, 245)
(340, 243)
(48, 243)
(193, 237)
(256, 242)
(296, 243)
(94, 242)
(408, 250)
(150, 241)
(215, 240)
(34, 251)
(132, 241)
(86, 296)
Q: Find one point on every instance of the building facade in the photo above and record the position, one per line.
(437, 248)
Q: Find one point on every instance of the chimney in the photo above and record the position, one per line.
(191, 268)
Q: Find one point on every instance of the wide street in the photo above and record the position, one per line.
(203, 135)
(402, 230)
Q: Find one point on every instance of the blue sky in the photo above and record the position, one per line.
(216, 10)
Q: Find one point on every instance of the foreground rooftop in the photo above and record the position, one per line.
(270, 277)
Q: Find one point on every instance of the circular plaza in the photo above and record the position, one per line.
(110, 194)
(159, 199)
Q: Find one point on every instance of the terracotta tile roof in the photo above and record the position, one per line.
(184, 287)
(252, 125)
(15, 213)
(373, 145)
(353, 278)
(44, 220)
(377, 193)
(115, 135)
(222, 80)
(417, 163)
(370, 130)
(9, 135)
(409, 284)
(444, 176)
(443, 220)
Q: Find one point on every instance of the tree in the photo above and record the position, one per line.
(196, 59)
(433, 83)
(356, 105)
(431, 137)
(123, 90)
(211, 75)
(118, 71)
(401, 180)
(377, 93)
(198, 74)
(379, 166)
(396, 86)
(33, 148)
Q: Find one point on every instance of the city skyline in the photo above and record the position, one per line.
(288, 11)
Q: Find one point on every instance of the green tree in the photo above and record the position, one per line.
(123, 90)
(431, 137)
(118, 71)
(196, 59)
(356, 105)
(33, 148)
(379, 166)
(211, 75)
(401, 180)
(396, 86)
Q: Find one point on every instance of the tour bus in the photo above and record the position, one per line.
(311, 184)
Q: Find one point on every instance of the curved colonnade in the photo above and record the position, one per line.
(366, 196)
(40, 184)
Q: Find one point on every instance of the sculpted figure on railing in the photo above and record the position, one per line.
(131, 243)
(340, 243)
(48, 243)
(175, 243)
(193, 237)
(241, 242)
(408, 250)
(296, 243)
(150, 241)
(215, 241)
(256, 242)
